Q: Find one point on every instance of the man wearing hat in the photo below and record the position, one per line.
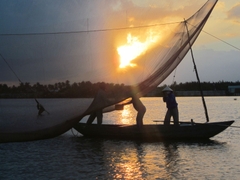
(172, 106)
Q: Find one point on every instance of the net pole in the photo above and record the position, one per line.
(195, 69)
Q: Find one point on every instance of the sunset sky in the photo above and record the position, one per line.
(216, 60)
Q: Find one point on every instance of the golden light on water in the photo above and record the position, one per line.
(134, 48)
(127, 115)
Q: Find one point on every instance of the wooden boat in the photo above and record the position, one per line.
(158, 132)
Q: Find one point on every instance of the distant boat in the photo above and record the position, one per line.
(185, 131)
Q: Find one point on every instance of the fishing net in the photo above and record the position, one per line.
(120, 48)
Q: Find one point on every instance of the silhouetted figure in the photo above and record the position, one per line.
(172, 106)
(99, 98)
(140, 108)
(40, 108)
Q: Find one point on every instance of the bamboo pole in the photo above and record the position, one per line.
(195, 68)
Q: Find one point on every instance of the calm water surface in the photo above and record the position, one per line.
(71, 156)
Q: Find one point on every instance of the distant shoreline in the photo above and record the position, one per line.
(88, 89)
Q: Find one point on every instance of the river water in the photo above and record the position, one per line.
(71, 156)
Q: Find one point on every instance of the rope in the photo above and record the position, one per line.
(218, 38)
(222, 40)
(10, 68)
(84, 31)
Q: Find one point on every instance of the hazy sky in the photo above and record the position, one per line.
(216, 61)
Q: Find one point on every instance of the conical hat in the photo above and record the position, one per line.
(167, 89)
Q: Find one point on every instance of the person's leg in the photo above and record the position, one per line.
(139, 118)
(175, 116)
(167, 118)
(91, 118)
(99, 117)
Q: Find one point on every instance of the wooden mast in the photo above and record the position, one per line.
(195, 68)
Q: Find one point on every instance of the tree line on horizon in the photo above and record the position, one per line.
(206, 86)
(86, 89)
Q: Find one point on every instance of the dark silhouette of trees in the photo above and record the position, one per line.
(206, 86)
(86, 89)
(83, 89)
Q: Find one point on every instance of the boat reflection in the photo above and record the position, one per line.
(171, 158)
(114, 159)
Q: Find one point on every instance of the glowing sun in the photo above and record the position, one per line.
(134, 48)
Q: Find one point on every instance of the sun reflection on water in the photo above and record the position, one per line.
(127, 115)
(129, 160)
(125, 162)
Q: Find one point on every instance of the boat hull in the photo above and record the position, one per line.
(185, 131)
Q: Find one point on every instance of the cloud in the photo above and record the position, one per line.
(234, 13)
(141, 12)
(38, 16)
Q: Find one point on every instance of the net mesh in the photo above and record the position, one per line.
(98, 49)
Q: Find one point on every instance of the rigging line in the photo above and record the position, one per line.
(78, 32)
(218, 38)
(10, 68)
(222, 40)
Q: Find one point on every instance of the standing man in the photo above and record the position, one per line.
(172, 106)
(100, 98)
